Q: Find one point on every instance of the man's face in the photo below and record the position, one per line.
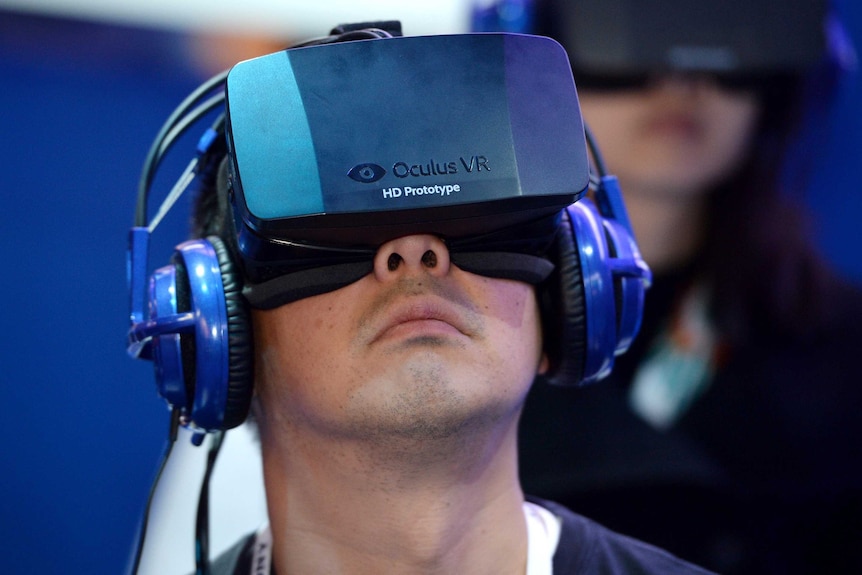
(417, 349)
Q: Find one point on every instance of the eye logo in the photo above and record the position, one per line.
(366, 173)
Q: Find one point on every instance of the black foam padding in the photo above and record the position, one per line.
(563, 306)
(240, 343)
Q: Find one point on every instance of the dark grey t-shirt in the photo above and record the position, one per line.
(584, 548)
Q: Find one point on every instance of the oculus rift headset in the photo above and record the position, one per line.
(739, 39)
(334, 147)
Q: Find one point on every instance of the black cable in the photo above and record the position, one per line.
(598, 160)
(142, 536)
(202, 563)
(160, 145)
(348, 36)
(189, 120)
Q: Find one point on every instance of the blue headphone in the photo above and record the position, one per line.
(190, 318)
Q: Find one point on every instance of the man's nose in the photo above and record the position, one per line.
(421, 253)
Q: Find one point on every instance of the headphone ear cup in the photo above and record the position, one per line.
(598, 269)
(601, 280)
(216, 364)
(564, 310)
(240, 376)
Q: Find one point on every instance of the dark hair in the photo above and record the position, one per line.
(767, 277)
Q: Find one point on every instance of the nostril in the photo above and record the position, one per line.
(413, 254)
(394, 261)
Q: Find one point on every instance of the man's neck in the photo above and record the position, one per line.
(355, 512)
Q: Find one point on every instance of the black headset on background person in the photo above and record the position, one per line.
(737, 40)
(191, 319)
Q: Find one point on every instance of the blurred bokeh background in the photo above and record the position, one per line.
(84, 86)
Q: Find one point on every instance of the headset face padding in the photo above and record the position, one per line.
(206, 371)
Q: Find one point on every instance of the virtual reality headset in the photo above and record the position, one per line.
(635, 38)
(337, 148)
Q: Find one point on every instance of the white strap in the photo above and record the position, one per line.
(261, 556)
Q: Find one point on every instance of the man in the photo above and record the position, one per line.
(388, 380)
(387, 412)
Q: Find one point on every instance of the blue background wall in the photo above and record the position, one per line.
(835, 193)
(83, 428)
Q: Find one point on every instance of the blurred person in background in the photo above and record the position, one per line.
(730, 433)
